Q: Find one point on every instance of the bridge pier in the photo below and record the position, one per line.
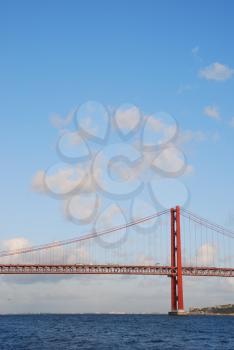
(177, 299)
(177, 313)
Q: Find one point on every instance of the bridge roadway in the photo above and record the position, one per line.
(47, 269)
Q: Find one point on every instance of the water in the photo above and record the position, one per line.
(68, 332)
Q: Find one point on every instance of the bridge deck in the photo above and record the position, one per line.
(113, 270)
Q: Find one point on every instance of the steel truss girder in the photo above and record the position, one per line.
(114, 270)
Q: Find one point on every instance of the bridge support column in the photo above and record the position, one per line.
(177, 300)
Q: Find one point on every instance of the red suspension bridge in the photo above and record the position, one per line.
(173, 243)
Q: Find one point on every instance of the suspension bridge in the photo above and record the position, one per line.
(175, 243)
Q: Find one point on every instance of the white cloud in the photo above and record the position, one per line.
(38, 184)
(59, 122)
(82, 207)
(87, 125)
(15, 243)
(70, 254)
(165, 130)
(170, 160)
(206, 255)
(186, 136)
(12, 245)
(127, 118)
(216, 71)
(74, 138)
(212, 112)
(196, 136)
(64, 180)
(70, 179)
(107, 294)
(106, 218)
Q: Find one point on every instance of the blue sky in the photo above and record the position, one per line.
(56, 55)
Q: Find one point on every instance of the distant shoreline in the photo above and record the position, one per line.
(86, 313)
(114, 314)
(218, 310)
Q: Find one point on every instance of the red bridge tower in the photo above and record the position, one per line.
(177, 299)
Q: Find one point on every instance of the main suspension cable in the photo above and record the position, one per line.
(218, 228)
(91, 235)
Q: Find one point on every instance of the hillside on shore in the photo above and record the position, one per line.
(214, 310)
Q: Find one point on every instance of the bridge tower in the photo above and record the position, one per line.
(177, 300)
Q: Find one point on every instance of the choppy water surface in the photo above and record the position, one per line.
(68, 332)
